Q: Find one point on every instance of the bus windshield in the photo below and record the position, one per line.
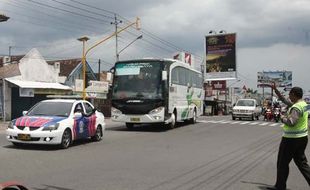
(140, 80)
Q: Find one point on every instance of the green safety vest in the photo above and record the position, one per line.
(300, 129)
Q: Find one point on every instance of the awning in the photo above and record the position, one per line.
(41, 85)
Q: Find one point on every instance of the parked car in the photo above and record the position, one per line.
(246, 108)
(58, 122)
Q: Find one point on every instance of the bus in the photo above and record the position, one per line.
(149, 91)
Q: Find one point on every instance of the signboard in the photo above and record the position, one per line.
(26, 92)
(218, 85)
(184, 57)
(279, 78)
(98, 86)
(221, 56)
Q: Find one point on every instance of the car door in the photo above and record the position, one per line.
(80, 128)
(90, 119)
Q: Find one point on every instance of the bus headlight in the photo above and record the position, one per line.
(115, 111)
(156, 110)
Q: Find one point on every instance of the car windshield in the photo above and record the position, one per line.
(51, 109)
(245, 103)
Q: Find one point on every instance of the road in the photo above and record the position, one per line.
(216, 153)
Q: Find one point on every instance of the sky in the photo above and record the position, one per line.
(271, 35)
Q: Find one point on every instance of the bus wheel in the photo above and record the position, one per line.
(129, 125)
(194, 119)
(173, 121)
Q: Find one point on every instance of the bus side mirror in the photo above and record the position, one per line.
(164, 75)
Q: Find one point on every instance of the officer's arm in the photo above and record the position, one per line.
(292, 118)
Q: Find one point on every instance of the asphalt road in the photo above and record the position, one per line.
(216, 153)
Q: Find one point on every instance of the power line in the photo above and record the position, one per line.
(110, 17)
(23, 5)
(71, 12)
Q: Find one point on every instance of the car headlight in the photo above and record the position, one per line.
(51, 127)
(115, 111)
(11, 125)
(156, 110)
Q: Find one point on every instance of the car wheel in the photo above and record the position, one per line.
(66, 139)
(233, 118)
(252, 117)
(98, 134)
(129, 126)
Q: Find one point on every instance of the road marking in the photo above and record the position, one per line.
(241, 122)
(254, 123)
(235, 122)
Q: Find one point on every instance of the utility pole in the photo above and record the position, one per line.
(10, 48)
(99, 62)
(116, 22)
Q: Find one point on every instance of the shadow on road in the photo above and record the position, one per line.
(261, 186)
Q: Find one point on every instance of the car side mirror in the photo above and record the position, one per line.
(25, 112)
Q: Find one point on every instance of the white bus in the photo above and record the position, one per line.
(147, 91)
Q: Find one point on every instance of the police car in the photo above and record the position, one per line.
(58, 122)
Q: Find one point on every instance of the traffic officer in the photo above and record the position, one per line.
(295, 138)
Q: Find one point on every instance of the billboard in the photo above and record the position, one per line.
(279, 78)
(221, 57)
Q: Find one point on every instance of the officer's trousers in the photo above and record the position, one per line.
(291, 148)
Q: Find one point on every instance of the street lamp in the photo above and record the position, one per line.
(139, 37)
(212, 32)
(84, 39)
(85, 52)
(3, 18)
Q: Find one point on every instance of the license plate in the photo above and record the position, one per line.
(135, 119)
(24, 137)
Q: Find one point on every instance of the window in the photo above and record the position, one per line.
(88, 108)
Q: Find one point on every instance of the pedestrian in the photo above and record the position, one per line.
(295, 138)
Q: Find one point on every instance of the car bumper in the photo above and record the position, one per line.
(36, 137)
(248, 115)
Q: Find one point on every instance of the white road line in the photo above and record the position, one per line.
(235, 122)
(224, 121)
(274, 124)
(264, 123)
(254, 123)
(244, 123)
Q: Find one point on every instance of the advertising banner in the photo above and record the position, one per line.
(279, 78)
(221, 57)
(219, 85)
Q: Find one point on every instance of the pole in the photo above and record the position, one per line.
(116, 38)
(84, 71)
(10, 47)
(99, 62)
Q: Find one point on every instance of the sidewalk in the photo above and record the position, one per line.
(3, 125)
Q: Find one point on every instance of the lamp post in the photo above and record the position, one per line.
(84, 40)
(3, 18)
(139, 37)
(227, 88)
(85, 52)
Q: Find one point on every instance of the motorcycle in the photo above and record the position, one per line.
(277, 114)
(268, 116)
